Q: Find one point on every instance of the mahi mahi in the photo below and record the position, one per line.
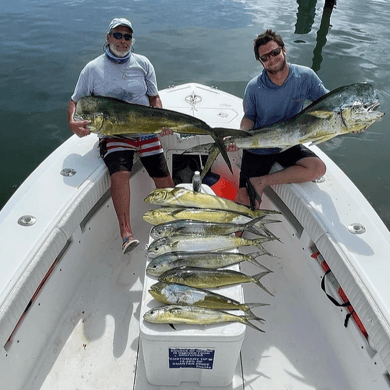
(161, 215)
(209, 278)
(192, 315)
(351, 108)
(111, 117)
(172, 260)
(188, 226)
(186, 198)
(200, 243)
(180, 294)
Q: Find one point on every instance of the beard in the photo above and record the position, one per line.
(280, 66)
(117, 53)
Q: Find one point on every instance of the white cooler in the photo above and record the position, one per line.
(207, 354)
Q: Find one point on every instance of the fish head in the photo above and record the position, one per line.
(88, 108)
(162, 314)
(158, 246)
(152, 315)
(155, 269)
(159, 196)
(97, 122)
(355, 104)
(359, 116)
(156, 289)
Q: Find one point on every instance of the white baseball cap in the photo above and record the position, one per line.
(120, 22)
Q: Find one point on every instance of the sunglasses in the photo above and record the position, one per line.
(118, 35)
(273, 53)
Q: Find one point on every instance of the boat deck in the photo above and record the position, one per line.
(98, 341)
(71, 302)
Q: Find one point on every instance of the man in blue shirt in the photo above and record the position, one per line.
(276, 94)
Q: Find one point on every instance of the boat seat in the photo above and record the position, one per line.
(44, 243)
(347, 254)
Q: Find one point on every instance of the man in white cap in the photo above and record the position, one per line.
(122, 74)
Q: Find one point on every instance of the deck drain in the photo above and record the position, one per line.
(68, 172)
(356, 228)
(27, 220)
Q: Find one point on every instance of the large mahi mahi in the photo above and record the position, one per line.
(348, 109)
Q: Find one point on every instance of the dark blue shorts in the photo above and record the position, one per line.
(254, 165)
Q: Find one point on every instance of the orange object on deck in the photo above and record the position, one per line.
(225, 189)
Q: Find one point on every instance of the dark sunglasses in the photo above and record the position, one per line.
(273, 53)
(118, 35)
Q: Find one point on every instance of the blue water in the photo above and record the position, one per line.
(46, 43)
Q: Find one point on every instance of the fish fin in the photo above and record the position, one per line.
(204, 148)
(210, 160)
(171, 325)
(256, 279)
(225, 132)
(321, 114)
(179, 210)
(222, 149)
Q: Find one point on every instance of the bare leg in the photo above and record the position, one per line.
(120, 193)
(163, 182)
(306, 169)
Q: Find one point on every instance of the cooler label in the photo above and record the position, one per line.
(202, 358)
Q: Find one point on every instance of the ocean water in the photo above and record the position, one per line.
(46, 43)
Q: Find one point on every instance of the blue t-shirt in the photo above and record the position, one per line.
(266, 103)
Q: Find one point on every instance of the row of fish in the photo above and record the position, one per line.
(192, 232)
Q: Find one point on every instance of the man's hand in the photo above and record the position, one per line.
(166, 131)
(80, 127)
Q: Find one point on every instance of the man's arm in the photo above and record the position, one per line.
(78, 127)
(247, 124)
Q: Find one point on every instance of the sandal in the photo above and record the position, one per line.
(128, 245)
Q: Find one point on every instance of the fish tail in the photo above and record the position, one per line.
(252, 257)
(254, 221)
(246, 322)
(256, 279)
(249, 226)
(219, 134)
(203, 148)
(259, 241)
(270, 234)
(247, 310)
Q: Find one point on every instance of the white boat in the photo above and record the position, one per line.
(71, 305)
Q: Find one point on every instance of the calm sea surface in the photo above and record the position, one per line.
(47, 42)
